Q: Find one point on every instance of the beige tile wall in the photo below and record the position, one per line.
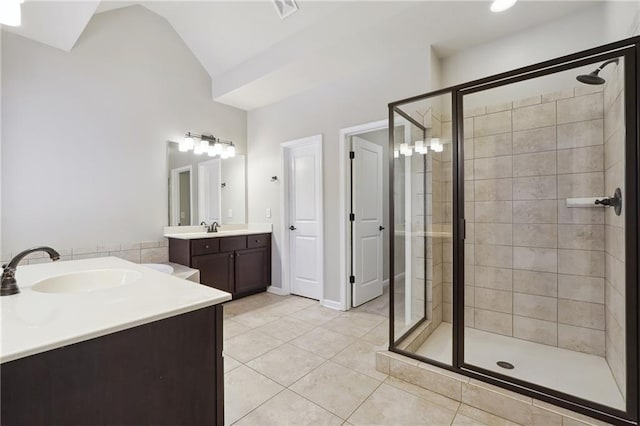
(614, 250)
(535, 269)
(142, 252)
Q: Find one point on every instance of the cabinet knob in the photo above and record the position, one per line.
(206, 246)
(257, 241)
(230, 256)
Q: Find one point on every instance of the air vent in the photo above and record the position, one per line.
(285, 7)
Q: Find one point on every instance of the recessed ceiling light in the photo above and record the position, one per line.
(502, 5)
(10, 13)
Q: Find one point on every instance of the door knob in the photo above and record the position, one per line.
(380, 228)
(293, 228)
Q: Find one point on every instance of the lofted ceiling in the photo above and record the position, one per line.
(255, 58)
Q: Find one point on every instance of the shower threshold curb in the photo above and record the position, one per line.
(483, 396)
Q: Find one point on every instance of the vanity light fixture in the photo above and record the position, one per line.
(436, 145)
(10, 12)
(208, 144)
(502, 5)
(420, 147)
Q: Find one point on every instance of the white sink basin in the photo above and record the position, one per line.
(160, 267)
(87, 281)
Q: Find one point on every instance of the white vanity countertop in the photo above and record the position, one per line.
(34, 322)
(197, 232)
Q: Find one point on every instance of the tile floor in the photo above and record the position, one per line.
(289, 361)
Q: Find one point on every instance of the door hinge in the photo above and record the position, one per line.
(352, 279)
(352, 155)
(352, 217)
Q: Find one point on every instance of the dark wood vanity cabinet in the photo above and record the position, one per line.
(240, 265)
(168, 372)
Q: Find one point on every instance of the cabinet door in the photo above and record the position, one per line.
(216, 270)
(251, 271)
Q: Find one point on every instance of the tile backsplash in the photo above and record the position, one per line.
(141, 252)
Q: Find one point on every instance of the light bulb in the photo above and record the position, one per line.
(224, 154)
(396, 153)
(420, 147)
(187, 143)
(10, 13)
(231, 151)
(436, 145)
(403, 148)
(502, 5)
(408, 152)
(201, 147)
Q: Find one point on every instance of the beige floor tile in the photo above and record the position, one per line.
(335, 388)
(316, 314)
(391, 406)
(286, 364)
(379, 335)
(288, 408)
(322, 342)
(245, 390)
(233, 328)
(292, 305)
(230, 363)
(286, 328)
(257, 318)
(482, 417)
(461, 420)
(251, 303)
(423, 393)
(355, 324)
(250, 345)
(360, 356)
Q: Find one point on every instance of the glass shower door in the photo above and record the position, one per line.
(545, 207)
(423, 260)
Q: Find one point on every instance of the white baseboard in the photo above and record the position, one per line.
(332, 304)
(400, 276)
(277, 290)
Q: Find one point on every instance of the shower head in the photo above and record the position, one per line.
(593, 77)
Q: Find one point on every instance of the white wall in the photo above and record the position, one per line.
(85, 133)
(358, 99)
(601, 24)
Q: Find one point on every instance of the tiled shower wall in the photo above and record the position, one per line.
(614, 141)
(142, 252)
(535, 268)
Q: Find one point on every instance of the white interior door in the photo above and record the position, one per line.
(368, 222)
(210, 191)
(304, 170)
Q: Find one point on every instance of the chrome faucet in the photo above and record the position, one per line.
(211, 228)
(9, 284)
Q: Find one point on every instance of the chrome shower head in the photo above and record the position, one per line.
(593, 77)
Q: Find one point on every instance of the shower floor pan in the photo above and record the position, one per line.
(583, 375)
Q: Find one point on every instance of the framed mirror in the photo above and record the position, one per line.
(205, 189)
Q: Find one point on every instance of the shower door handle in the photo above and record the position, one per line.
(615, 201)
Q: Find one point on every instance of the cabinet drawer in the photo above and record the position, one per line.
(233, 243)
(261, 240)
(207, 246)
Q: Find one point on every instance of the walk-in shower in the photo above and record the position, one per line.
(514, 214)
